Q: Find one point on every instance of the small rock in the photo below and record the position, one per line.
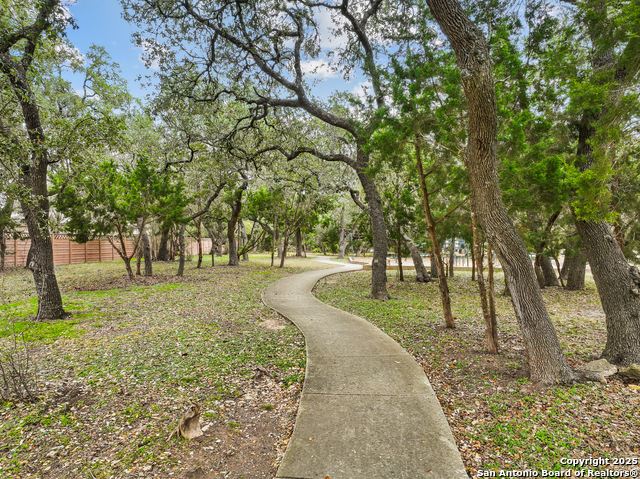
(147, 468)
(632, 371)
(601, 367)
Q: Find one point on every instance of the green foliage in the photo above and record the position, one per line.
(108, 198)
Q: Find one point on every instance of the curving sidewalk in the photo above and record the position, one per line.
(367, 409)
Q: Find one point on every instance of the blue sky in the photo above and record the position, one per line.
(100, 22)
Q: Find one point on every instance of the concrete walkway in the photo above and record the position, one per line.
(367, 409)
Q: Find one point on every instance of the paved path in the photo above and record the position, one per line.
(367, 409)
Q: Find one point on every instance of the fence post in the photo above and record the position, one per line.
(15, 252)
(69, 245)
(99, 250)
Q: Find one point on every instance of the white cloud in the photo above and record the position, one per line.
(362, 90)
(328, 39)
(149, 50)
(319, 68)
(70, 53)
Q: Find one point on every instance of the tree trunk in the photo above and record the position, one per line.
(555, 258)
(245, 241)
(400, 257)
(619, 289)
(163, 249)
(285, 245)
(549, 274)
(299, 253)
(452, 256)
(199, 232)
(618, 283)
(492, 300)
(473, 265)
(145, 251)
(576, 267)
(34, 197)
(378, 228)
(492, 345)
(5, 217)
(342, 238)
(183, 249)
(421, 272)
(564, 271)
(546, 361)
(431, 228)
(274, 236)
(236, 207)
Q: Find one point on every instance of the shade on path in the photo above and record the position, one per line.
(367, 410)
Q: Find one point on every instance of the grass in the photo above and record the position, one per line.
(500, 421)
(116, 374)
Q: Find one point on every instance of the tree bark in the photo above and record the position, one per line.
(549, 274)
(146, 250)
(274, 236)
(299, 252)
(452, 256)
(5, 216)
(400, 257)
(547, 363)
(200, 252)
(183, 250)
(236, 208)
(34, 194)
(473, 265)
(618, 285)
(378, 228)
(421, 272)
(431, 228)
(285, 245)
(492, 299)
(575, 267)
(245, 242)
(492, 345)
(342, 238)
(163, 249)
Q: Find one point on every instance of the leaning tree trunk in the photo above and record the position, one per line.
(421, 272)
(549, 274)
(619, 289)
(489, 320)
(378, 228)
(546, 361)
(575, 268)
(431, 228)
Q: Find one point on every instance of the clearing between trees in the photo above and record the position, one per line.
(113, 379)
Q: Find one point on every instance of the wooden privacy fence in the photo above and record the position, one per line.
(66, 251)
